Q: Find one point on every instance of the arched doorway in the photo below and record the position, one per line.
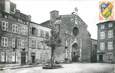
(75, 53)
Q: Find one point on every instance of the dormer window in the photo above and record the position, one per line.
(110, 25)
(102, 26)
(5, 16)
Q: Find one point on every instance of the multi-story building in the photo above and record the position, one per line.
(39, 52)
(13, 35)
(106, 42)
(21, 40)
(75, 39)
(94, 51)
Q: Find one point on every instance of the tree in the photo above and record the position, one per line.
(53, 42)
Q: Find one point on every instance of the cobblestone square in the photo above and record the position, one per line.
(68, 68)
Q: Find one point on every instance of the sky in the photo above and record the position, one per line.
(39, 10)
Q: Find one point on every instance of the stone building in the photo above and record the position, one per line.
(76, 40)
(39, 52)
(21, 40)
(94, 51)
(13, 34)
(106, 42)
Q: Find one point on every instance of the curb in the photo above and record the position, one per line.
(19, 67)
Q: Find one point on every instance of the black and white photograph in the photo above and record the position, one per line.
(57, 36)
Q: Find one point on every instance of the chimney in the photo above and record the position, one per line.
(53, 15)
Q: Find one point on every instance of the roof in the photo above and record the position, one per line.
(46, 24)
(19, 15)
(38, 24)
(113, 21)
(34, 23)
(93, 39)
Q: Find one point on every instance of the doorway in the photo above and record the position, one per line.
(75, 54)
(33, 57)
(23, 58)
(101, 58)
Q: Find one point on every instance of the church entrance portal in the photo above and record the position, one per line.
(75, 53)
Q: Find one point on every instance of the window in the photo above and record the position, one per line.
(2, 56)
(19, 29)
(41, 33)
(41, 45)
(72, 19)
(38, 44)
(33, 43)
(102, 46)
(5, 16)
(24, 30)
(75, 31)
(13, 9)
(110, 25)
(66, 43)
(95, 46)
(44, 33)
(102, 35)
(47, 35)
(7, 56)
(22, 43)
(13, 42)
(19, 20)
(76, 21)
(13, 55)
(102, 26)
(4, 26)
(33, 30)
(27, 22)
(24, 22)
(110, 45)
(110, 34)
(4, 41)
(38, 32)
(110, 57)
(14, 28)
(19, 43)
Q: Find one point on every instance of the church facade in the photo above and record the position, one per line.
(75, 38)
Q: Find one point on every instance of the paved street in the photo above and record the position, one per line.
(67, 68)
